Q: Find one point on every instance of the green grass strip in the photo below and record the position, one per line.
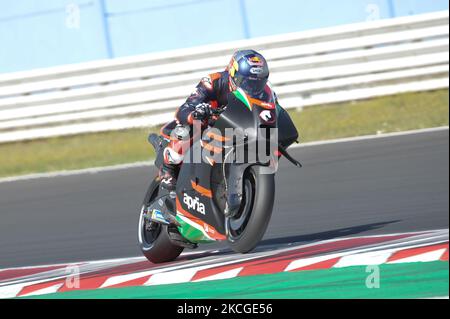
(407, 280)
(379, 115)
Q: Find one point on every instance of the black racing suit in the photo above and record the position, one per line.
(214, 90)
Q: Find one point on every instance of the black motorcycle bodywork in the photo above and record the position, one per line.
(226, 195)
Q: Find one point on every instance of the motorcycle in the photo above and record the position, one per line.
(218, 199)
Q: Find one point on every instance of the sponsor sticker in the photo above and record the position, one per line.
(159, 216)
(256, 70)
(194, 203)
(256, 61)
(267, 116)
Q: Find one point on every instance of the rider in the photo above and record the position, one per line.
(247, 70)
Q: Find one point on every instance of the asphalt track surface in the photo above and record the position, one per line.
(378, 186)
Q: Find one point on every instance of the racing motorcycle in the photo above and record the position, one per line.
(218, 199)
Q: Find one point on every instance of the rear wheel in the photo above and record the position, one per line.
(153, 237)
(248, 226)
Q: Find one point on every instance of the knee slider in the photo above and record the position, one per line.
(172, 157)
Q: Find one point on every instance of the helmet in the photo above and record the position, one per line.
(248, 70)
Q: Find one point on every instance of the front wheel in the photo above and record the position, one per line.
(153, 237)
(248, 226)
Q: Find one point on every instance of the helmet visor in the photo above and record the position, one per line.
(251, 85)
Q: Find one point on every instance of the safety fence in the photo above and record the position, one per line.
(338, 64)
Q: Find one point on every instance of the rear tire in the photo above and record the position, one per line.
(255, 212)
(155, 244)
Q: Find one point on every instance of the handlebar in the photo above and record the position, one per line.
(216, 111)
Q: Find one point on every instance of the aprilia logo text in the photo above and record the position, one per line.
(194, 203)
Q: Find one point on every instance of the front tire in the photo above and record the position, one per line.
(153, 237)
(248, 226)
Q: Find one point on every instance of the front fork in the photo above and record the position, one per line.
(234, 175)
(233, 187)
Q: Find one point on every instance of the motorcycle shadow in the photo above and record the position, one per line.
(330, 234)
(217, 249)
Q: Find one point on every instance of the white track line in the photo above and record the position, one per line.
(123, 278)
(44, 291)
(114, 261)
(222, 275)
(428, 256)
(199, 265)
(370, 258)
(306, 261)
(173, 277)
(371, 137)
(435, 232)
(75, 263)
(12, 289)
(377, 256)
(95, 170)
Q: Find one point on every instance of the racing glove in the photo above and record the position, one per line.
(202, 111)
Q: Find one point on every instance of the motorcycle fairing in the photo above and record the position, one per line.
(198, 212)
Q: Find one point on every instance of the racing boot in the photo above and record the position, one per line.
(168, 175)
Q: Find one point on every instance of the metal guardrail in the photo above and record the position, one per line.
(338, 64)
